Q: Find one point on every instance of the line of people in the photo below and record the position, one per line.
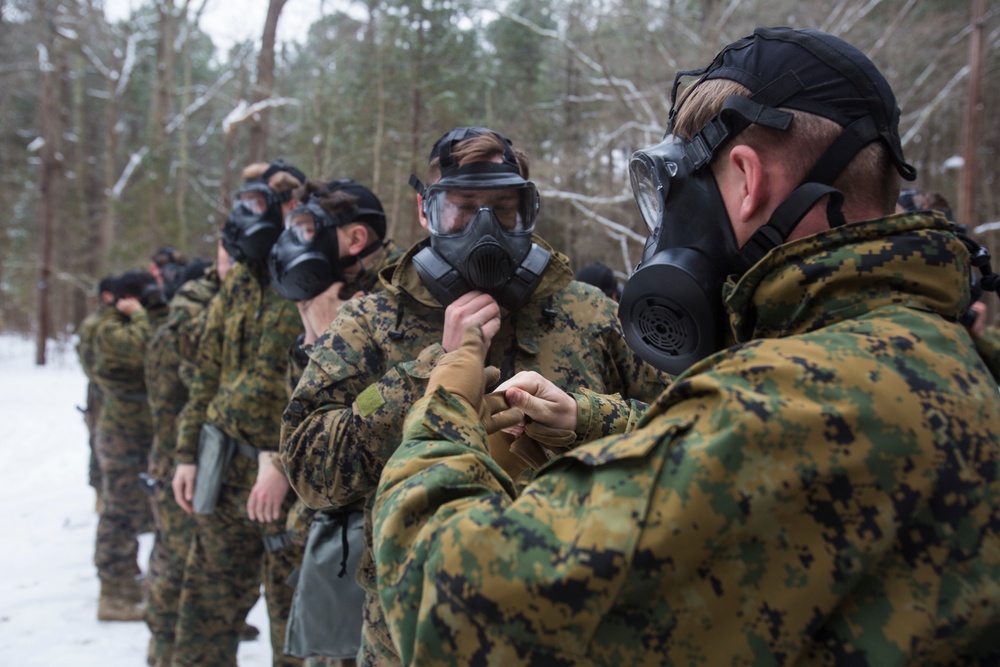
(781, 447)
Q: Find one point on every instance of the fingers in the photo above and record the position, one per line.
(541, 400)
(469, 309)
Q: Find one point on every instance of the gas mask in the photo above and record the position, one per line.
(255, 221)
(305, 260)
(480, 216)
(671, 308)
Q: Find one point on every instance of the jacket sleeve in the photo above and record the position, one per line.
(205, 382)
(345, 416)
(120, 343)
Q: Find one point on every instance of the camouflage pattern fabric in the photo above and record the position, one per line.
(826, 492)
(124, 433)
(345, 418)
(301, 514)
(225, 567)
(239, 387)
(85, 352)
(167, 377)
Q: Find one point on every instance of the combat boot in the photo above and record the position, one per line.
(118, 602)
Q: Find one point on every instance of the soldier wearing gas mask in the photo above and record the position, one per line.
(124, 437)
(234, 406)
(816, 493)
(482, 265)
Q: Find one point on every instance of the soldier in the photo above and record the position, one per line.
(85, 352)
(481, 265)
(814, 493)
(332, 249)
(124, 434)
(234, 406)
(168, 373)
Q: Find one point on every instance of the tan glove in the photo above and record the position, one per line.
(461, 371)
(499, 444)
(537, 439)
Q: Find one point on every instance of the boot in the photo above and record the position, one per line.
(117, 602)
(249, 632)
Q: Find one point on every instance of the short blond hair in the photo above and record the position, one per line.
(280, 181)
(870, 179)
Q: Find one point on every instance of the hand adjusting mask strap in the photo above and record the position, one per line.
(481, 216)
(255, 221)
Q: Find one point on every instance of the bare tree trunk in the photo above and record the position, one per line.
(51, 133)
(265, 81)
(973, 115)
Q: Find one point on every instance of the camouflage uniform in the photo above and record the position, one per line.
(124, 434)
(168, 374)
(814, 495)
(85, 351)
(239, 388)
(300, 516)
(345, 418)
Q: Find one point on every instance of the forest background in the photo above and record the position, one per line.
(120, 137)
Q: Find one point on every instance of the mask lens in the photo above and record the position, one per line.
(450, 211)
(648, 189)
(302, 224)
(255, 200)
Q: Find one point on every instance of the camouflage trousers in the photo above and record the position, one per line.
(125, 509)
(174, 532)
(90, 417)
(225, 566)
(377, 649)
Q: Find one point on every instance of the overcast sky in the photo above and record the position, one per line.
(228, 22)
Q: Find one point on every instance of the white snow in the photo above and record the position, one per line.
(48, 583)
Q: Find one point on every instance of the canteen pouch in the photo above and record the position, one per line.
(215, 453)
(327, 606)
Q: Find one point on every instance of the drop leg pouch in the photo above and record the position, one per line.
(215, 453)
(325, 617)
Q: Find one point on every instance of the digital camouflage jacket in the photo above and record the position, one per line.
(85, 341)
(301, 514)
(119, 352)
(168, 373)
(825, 492)
(239, 385)
(345, 418)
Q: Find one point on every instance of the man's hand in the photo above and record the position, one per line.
(978, 327)
(183, 485)
(538, 398)
(128, 305)
(467, 310)
(319, 312)
(268, 493)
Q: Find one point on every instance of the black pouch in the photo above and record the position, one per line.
(215, 453)
(327, 607)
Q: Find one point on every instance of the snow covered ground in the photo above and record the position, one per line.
(48, 584)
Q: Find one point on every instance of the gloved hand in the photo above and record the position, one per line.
(532, 445)
(461, 371)
(499, 446)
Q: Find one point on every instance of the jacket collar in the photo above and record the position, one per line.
(911, 260)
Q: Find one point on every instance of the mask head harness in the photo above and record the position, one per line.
(671, 309)
(305, 260)
(480, 216)
(170, 262)
(255, 221)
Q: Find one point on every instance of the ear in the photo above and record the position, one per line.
(420, 212)
(357, 239)
(750, 183)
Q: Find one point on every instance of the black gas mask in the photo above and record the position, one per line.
(305, 260)
(480, 216)
(671, 308)
(255, 221)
